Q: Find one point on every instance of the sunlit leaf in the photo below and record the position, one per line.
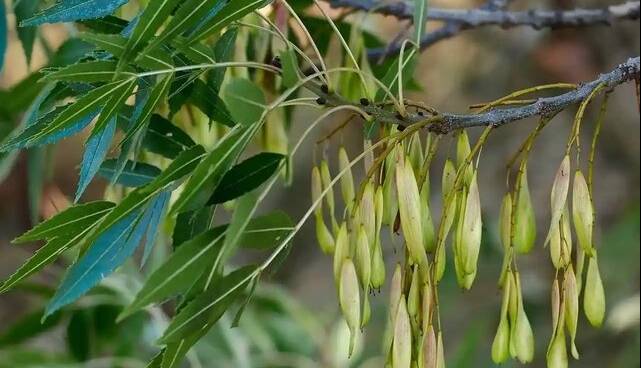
(245, 100)
(95, 152)
(72, 10)
(134, 174)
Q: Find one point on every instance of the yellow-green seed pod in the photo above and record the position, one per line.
(378, 267)
(379, 210)
(429, 233)
(555, 304)
(429, 349)
(368, 213)
(414, 296)
(349, 298)
(415, 153)
(524, 232)
(557, 356)
(402, 345)
(463, 150)
(317, 189)
(566, 237)
(427, 304)
(396, 290)
(582, 212)
(521, 335)
(367, 310)
(440, 351)
(363, 258)
(440, 262)
(390, 204)
(505, 221)
(347, 180)
(559, 195)
(472, 227)
(410, 212)
(501, 343)
(571, 299)
(594, 295)
(342, 251)
(324, 236)
(449, 176)
(326, 180)
(555, 248)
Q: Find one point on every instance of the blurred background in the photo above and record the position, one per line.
(297, 323)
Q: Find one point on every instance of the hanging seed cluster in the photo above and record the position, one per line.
(395, 194)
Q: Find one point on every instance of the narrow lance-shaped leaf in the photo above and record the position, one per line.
(420, 15)
(90, 72)
(115, 244)
(95, 153)
(157, 210)
(151, 19)
(179, 271)
(246, 176)
(223, 52)
(24, 9)
(210, 171)
(245, 100)
(72, 10)
(187, 16)
(62, 232)
(134, 174)
(233, 11)
(165, 138)
(208, 307)
(183, 165)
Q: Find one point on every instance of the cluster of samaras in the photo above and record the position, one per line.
(396, 193)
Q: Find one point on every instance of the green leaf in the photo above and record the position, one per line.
(223, 52)
(134, 174)
(245, 100)
(206, 99)
(197, 53)
(186, 17)
(72, 10)
(290, 68)
(24, 9)
(182, 165)
(113, 106)
(96, 150)
(178, 273)
(85, 105)
(233, 11)
(420, 16)
(70, 221)
(210, 171)
(208, 307)
(90, 72)
(151, 19)
(267, 231)
(109, 24)
(191, 223)
(115, 44)
(246, 176)
(166, 139)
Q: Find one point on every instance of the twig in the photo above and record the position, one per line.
(490, 14)
(443, 123)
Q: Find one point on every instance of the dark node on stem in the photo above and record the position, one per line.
(364, 102)
(401, 128)
(277, 63)
(421, 113)
(324, 88)
(321, 101)
(399, 116)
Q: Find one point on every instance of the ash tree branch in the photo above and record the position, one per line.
(444, 123)
(547, 106)
(493, 13)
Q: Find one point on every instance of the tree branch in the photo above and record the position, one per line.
(491, 14)
(444, 123)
